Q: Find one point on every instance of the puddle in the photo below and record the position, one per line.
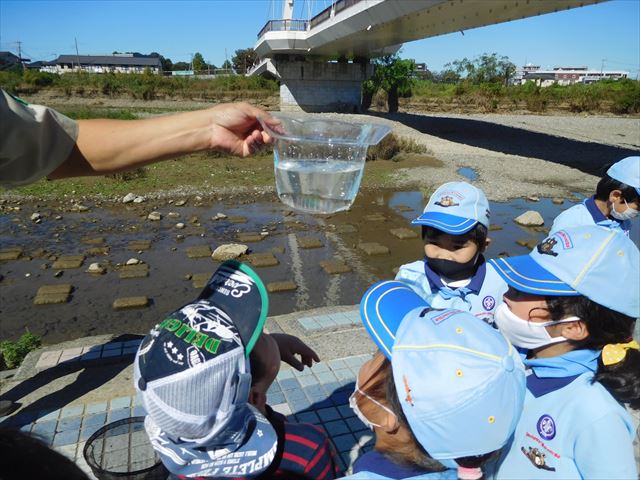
(89, 311)
(468, 173)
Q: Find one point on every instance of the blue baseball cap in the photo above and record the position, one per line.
(460, 382)
(597, 262)
(455, 208)
(627, 171)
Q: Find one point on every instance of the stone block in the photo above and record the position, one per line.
(346, 228)
(249, 237)
(10, 253)
(237, 219)
(51, 289)
(124, 303)
(373, 248)
(262, 259)
(333, 267)
(97, 251)
(375, 217)
(68, 261)
(309, 242)
(403, 233)
(134, 271)
(52, 294)
(93, 240)
(199, 251)
(286, 286)
(48, 359)
(137, 245)
(199, 280)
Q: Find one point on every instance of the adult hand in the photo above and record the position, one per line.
(291, 346)
(236, 128)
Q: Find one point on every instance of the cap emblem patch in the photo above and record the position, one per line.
(446, 201)
(546, 247)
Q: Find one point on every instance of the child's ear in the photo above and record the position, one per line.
(487, 242)
(615, 195)
(576, 331)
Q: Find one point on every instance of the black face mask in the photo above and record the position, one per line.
(453, 270)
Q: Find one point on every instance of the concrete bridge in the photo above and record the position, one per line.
(321, 62)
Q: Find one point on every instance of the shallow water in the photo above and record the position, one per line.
(89, 312)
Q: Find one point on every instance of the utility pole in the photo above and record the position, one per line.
(77, 54)
(19, 43)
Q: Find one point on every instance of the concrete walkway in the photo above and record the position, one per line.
(69, 391)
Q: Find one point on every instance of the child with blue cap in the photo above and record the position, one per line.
(615, 203)
(572, 304)
(443, 392)
(454, 273)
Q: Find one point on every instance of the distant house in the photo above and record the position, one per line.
(119, 63)
(8, 60)
(566, 75)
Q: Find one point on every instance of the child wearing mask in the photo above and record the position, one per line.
(442, 394)
(615, 204)
(454, 273)
(571, 306)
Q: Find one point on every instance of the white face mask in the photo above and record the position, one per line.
(523, 333)
(354, 406)
(628, 214)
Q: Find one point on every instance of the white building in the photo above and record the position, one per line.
(119, 63)
(565, 75)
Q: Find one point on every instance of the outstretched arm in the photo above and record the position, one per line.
(106, 146)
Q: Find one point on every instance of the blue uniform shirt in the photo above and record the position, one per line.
(374, 464)
(570, 427)
(588, 213)
(480, 296)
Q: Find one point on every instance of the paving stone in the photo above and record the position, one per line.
(45, 428)
(282, 408)
(123, 303)
(326, 378)
(7, 254)
(343, 443)
(275, 398)
(199, 251)
(72, 423)
(94, 420)
(137, 245)
(249, 237)
(337, 363)
(96, 407)
(48, 359)
(71, 411)
(373, 248)
(313, 390)
(70, 355)
(237, 219)
(294, 394)
(328, 414)
(309, 323)
(93, 240)
(333, 267)
(113, 346)
(355, 425)
(308, 417)
(199, 280)
(53, 294)
(289, 384)
(97, 251)
(90, 356)
(68, 261)
(300, 404)
(120, 402)
(309, 242)
(47, 415)
(51, 289)
(68, 451)
(285, 373)
(111, 353)
(119, 414)
(403, 233)
(262, 260)
(286, 286)
(134, 271)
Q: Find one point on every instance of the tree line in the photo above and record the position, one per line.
(242, 60)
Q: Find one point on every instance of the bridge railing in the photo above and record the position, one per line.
(326, 13)
(284, 26)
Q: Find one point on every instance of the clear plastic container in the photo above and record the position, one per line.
(319, 162)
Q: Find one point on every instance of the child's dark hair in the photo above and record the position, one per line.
(477, 234)
(385, 387)
(605, 326)
(606, 185)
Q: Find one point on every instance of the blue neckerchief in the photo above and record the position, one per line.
(541, 386)
(575, 362)
(596, 214)
(474, 286)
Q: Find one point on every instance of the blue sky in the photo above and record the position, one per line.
(604, 34)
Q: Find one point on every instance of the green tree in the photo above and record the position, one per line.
(199, 65)
(243, 60)
(486, 68)
(393, 74)
(181, 66)
(227, 65)
(167, 64)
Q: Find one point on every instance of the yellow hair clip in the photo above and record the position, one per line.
(613, 353)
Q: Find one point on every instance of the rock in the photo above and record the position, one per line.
(533, 198)
(229, 251)
(154, 216)
(139, 199)
(58, 274)
(180, 226)
(128, 198)
(179, 237)
(530, 218)
(58, 217)
(173, 215)
(80, 208)
(96, 268)
(35, 216)
(557, 201)
(180, 203)
(218, 216)
(133, 261)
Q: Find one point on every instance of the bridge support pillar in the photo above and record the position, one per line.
(319, 86)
